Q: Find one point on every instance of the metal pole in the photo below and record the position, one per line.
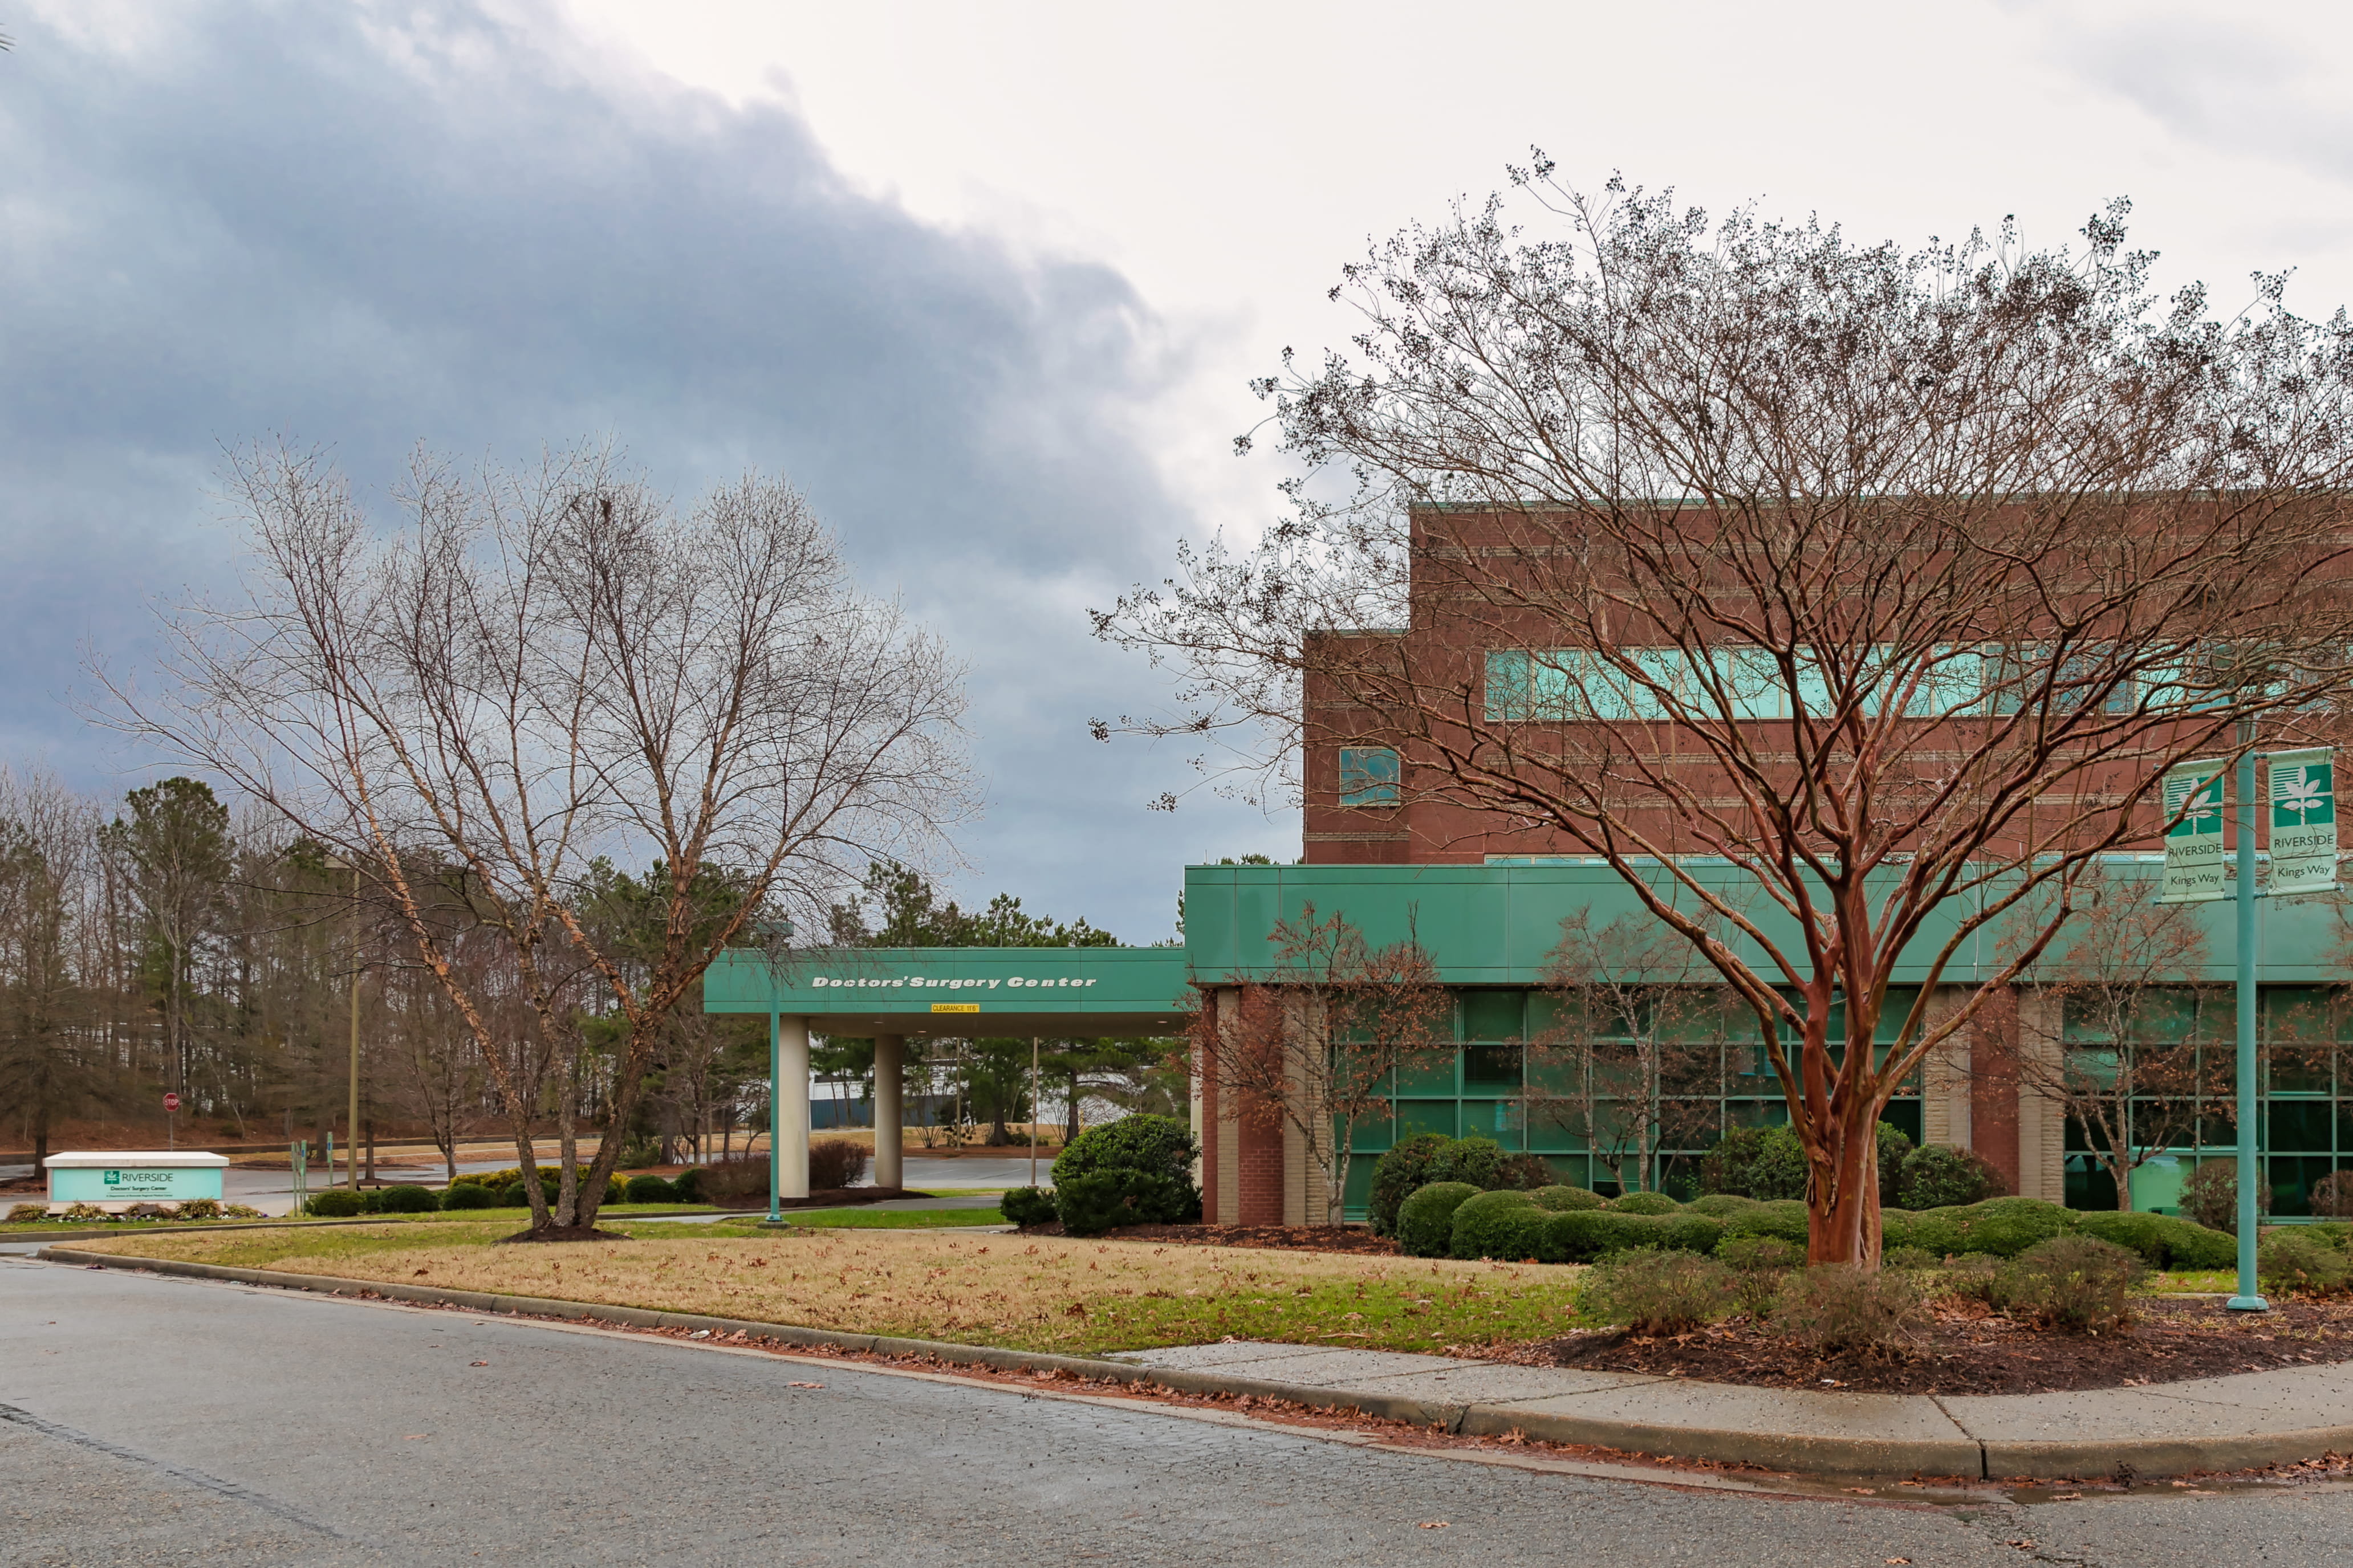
(2248, 1300)
(1033, 1110)
(352, 1155)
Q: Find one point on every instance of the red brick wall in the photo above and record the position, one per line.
(1210, 1131)
(1993, 1086)
(1259, 1144)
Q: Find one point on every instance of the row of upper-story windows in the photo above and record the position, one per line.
(1576, 686)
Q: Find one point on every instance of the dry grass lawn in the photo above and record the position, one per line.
(1031, 1293)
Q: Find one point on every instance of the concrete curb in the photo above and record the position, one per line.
(1961, 1455)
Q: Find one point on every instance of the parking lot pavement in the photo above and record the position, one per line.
(146, 1419)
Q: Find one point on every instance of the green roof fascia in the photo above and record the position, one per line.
(1013, 988)
(1495, 924)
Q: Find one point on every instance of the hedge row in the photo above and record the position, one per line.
(490, 1189)
(1567, 1225)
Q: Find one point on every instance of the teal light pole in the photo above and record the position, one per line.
(2248, 1300)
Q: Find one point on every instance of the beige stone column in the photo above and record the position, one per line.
(2041, 1120)
(792, 1091)
(889, 1080)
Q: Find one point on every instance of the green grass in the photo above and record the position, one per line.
(863, 1218)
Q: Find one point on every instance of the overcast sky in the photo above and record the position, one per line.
(985, 281)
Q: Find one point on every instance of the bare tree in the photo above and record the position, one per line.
(545, 668)
(1637, 1032)
(1877, 588)
(2120, 1043)
(47, 839)
(1318, 1042)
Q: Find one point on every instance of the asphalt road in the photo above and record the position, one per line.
(153, 1420)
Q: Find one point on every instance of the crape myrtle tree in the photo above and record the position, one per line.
(540, 668)
(1316, 1043)
(1865, 591)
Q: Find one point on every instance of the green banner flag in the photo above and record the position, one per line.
(2193, 845)
(2304, 821)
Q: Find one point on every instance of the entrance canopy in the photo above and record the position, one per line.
(961, 991)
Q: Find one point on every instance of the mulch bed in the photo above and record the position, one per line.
(1299, 1238)
(1979, 1353)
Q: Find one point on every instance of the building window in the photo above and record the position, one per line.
(1369, 776)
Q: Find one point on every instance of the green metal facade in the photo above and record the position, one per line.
(1490, 929)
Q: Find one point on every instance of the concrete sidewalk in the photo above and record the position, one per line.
(2209, 1423)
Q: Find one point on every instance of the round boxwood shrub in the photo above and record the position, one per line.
(405, 1198)
(2008, 1226)
(1645, 1202)
(1160, 1144)
(1094, 1203)
(648, 1189)
(686, 1187)
(1720, 1205)
(2163, 1240)
(469, 1196)
(1027, 1205)
(332, 1203)
(1783, 1218)
(1934, 1176)
(1426, 1220)
(1561, 1200)
(1397, 1174)
(515, 1196)
(1473, 1160)
(1503, 1224)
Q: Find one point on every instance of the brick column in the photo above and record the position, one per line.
(1993, 1085)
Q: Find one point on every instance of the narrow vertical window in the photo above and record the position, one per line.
(1369, 776)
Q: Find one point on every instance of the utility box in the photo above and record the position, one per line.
(119, 1179)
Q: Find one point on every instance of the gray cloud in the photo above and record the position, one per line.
(371, 227)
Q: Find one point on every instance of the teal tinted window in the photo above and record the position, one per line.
(1369, 776)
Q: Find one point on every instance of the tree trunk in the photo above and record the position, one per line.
(1846, 1228)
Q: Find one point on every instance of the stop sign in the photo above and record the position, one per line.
(170, 1102)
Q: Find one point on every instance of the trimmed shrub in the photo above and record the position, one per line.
(2332, 1196)
(2289, 1261)
(1159, 1144)
(1474, 1160)
(1783, 1218)
(1720, 1205)
(2078, 1284)
(1934, 1176)
(1658, 1292)
(2335, 1233)
(835, 1163)
(1907, 1258)
(1502, 1224)
(332, 1203)
(1028, 1206)
(2210, 1196)
(743, 1180)
(1690, 1232)
(1426, 1220)
(470, 1196)
(1833, 1307)
(2163, 1240)
(1561, 1200)
(405, 1198)
(1935, 1233)
(197, 1208)
(649, 1189)
(1397, 1176)
(1100, 1200)
(1645, 1202)
(686, 1187)
(2005, 1226)
(514, 1196)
